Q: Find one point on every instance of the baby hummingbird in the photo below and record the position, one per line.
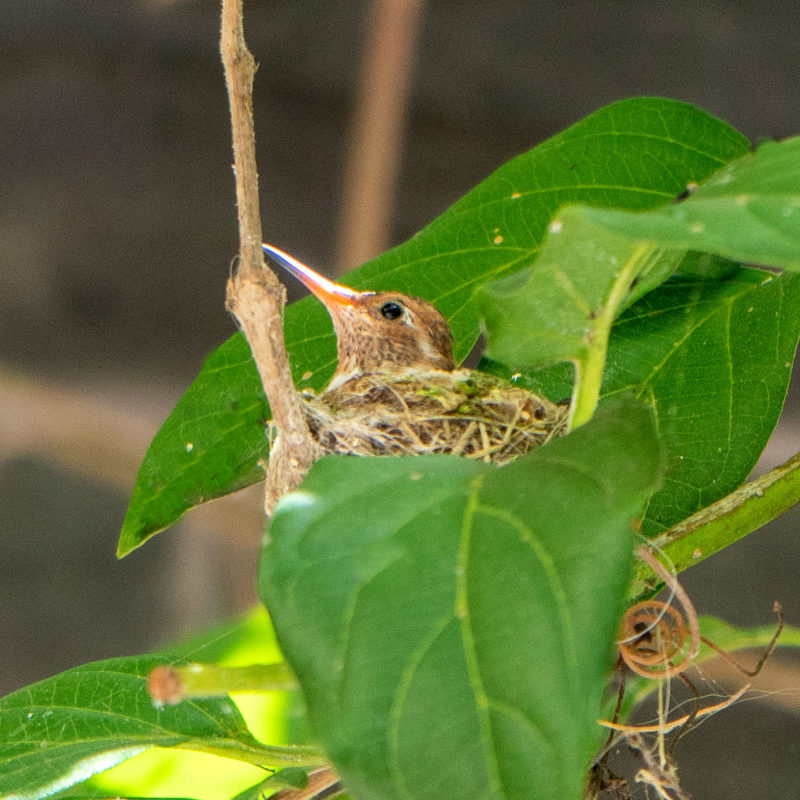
(396, 389)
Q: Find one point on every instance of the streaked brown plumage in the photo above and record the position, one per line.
(396, 389)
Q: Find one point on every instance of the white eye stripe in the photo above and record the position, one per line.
(428, 350)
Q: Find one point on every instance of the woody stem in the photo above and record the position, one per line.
(254, 293)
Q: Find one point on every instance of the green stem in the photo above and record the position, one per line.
(170, 685)
(590, 367)
(173, 685)
(722, 523)
(263, 755)
(588, 379)
(211, 680)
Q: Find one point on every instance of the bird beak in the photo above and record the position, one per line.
(327, 291)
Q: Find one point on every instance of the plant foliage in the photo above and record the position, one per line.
(452, 623)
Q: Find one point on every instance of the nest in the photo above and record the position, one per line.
(464, 413)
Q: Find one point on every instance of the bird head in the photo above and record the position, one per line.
(377, 331)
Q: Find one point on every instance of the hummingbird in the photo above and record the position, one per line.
(397, 389)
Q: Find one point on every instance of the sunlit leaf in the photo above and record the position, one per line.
(64, 729)
(60, 731)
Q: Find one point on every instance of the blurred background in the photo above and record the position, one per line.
(118, 226)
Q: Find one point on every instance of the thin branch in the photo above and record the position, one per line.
(670, 725)
(255, 295)
(240, 69)
(172, 684)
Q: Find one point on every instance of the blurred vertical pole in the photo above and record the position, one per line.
(376, 138)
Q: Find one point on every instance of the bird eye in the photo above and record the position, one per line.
(391, 310)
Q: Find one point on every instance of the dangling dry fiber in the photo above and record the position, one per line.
(462, 412)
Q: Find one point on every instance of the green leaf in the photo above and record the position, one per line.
(713, 359)
(452, 623)
(210, 445)
(62, 730)
(595, 262)
(286, 778)
(734, 637)
(564, 308)
(706, 266)
(748, 211)
(245, 640)
(635, 154)
(570, 299)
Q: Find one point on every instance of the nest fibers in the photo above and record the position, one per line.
(415, 413)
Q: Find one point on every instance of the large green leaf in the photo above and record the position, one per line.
(567, 303)
(635, 154)
(748, 211)
(713, 360)
(595, 262)
(60, 731)
(452, 623)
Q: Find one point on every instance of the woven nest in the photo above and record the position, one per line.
(463, 413)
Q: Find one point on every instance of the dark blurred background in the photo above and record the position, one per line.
(118, 225)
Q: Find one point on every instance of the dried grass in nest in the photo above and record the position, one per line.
(461, 412)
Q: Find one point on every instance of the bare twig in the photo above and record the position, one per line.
(377, 134)
(255, 295)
